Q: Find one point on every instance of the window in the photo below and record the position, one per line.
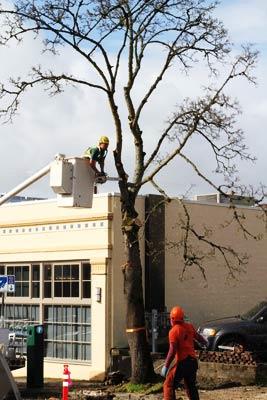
(86, 280)
(2, 270)
(35, 280)
(65, 280)
(18, 317)
(47, 280)
(22, 277)
(68, 332)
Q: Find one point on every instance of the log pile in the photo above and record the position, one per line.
(236, 356)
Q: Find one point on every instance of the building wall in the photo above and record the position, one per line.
(220, 294)
(41, 232)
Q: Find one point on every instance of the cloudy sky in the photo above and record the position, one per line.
(72, 121)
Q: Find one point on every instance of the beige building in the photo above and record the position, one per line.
(67, 263)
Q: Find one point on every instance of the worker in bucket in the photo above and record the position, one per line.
(96, 155)
(181, 347)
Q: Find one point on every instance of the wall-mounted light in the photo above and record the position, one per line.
(98, 293)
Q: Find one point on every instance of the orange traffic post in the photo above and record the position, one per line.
(66, 382)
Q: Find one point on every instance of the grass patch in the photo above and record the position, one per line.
(148, 388)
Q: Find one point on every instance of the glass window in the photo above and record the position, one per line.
(36, 272)
(47, 280)
(22, 280)
(66, 280)
(2, 270)
(47, 272)
(18, 317)
(68, 335)
(86, 282)
(35, 280)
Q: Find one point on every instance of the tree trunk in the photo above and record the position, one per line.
(141, 361)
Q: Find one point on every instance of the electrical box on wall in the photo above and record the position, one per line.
(82, 183)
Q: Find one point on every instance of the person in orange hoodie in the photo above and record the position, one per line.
(181, 347)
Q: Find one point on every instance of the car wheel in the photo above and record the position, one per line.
(232, 341)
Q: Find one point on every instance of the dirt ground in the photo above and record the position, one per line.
(237, 393)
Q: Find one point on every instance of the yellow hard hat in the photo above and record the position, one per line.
(104, 139)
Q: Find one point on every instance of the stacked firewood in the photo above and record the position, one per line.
(235, 356)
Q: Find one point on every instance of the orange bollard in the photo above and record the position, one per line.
(66, 382)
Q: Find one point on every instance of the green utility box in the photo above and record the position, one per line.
(35, 356)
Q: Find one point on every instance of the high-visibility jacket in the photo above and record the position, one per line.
(183, 335)
(95, 153)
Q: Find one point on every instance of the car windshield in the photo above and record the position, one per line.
(251, 313)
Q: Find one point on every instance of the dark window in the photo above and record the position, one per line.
(35, 280)
(66, 280)
(47, 280)
(86, 280)
(22, 283)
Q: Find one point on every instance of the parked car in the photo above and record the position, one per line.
(248, 330)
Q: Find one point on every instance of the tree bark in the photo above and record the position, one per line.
(141, 361)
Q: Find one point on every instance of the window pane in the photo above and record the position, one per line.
(86, 272)
(25, 289)
(86, 334)
(10, 271)
(58, 332)
(2, 270)
(58, 272)
(67, 314)
(18, 273)
(18, 289)
(58, 313)
(58, 289)
(35, 313)
(35, 289)
(75, 272)
(76, 314)
(75, 333)
(75, 289)
(66, 289)
(49, 349)
(49, 331)
(48, 313)
(86, 290)
(67, 332)
(66, 272)
(76, 354)
(86, 311)
(86, 352)
(35, 272)
(68, 351)
(47, 289)
(25, 273)
(47, 272)
(58, 350)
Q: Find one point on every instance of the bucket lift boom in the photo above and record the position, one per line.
(70, 178)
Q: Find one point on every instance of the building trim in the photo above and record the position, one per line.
(57, 249)
(62, 220)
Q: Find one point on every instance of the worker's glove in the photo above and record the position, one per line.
(101, 177)
(164, 371)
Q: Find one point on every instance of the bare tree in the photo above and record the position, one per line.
(182, 32)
